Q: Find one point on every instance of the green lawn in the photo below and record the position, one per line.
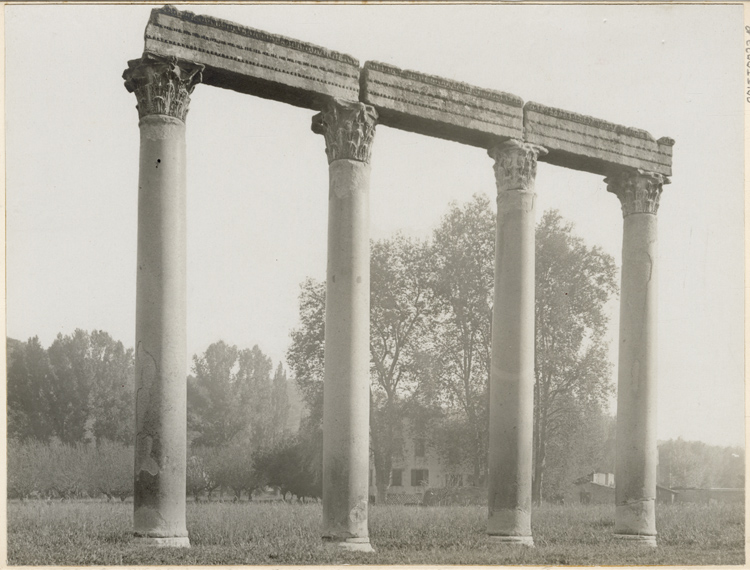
(246, 533)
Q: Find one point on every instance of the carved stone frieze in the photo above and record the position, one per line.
(162, 85)
(638, 190)
(348, 128)
(515, 165)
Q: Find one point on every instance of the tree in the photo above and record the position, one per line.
(229, 396)
(215, 397)
(399, 299)
(573, 374)
(29, 385)
(463, 252)
(279, 407)
(70, 385)
(254, 376)
(399, 304)
(306, 353)
(697, 464)
(287, 466)
(112, 414)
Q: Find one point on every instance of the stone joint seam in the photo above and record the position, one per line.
(497, 96)
(247, 48)
(255, 34)
(255, 64)
(440, 109)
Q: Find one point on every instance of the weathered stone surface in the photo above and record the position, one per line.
(512, 367)
(252, 61)
(438, 107)
(590, 144)
(160, 329)
(637, 376)
(346, 387)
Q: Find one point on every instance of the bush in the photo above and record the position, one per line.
(112, 471)
(56, 470)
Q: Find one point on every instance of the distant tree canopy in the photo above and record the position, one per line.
(697, 464)
(79, 389)
(232, 398)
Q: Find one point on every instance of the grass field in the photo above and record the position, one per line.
(277, 534)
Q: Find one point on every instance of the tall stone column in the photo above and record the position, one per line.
(512, 374)
(162, 88)
(635, 467)
(348, 129)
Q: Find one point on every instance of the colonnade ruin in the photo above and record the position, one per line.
(183, 50)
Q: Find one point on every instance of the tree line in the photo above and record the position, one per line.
(430, 347)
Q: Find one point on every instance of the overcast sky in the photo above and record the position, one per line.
(258, 180)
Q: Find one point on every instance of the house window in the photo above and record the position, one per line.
(419, 477)
(396, 477)
(419, 447)
(454, 480)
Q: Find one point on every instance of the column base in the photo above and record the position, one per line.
(166, 541)
(519, 540)
(349, 544)
(640, 539)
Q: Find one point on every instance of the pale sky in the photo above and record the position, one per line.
(258, 180)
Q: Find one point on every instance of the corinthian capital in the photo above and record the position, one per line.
(348, 128)
(638, 190)
(515, 165)
(162, 85)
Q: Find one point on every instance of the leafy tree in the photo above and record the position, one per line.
(399, 299)
(215, 397)
(229, 396)
(254, 375)
(463, 250)
(279, 407)
(70, 385)
(112, 413)
(697, 464)
(573, 374)
(399, 303)
(287, 466)
(305, 355)
(29, 385)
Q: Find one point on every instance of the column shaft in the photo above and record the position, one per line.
(636, 462)
(348, 128)
(162, 88)
(512, 372)
(161, 354)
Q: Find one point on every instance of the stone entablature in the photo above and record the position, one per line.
(252, 61)
(587, 143)
(434, 106)
(275, 67)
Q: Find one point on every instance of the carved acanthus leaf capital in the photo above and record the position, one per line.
(515, 165)
(348, 128)
(638, 190)
(162, 85)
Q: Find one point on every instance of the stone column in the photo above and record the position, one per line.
(635, 468)
(162, 88)
(512, 374)
(348, 129)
